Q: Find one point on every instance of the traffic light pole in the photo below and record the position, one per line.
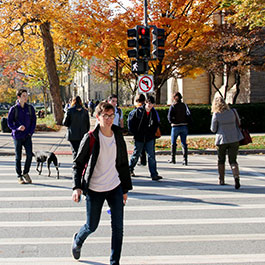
(146, 24)
(145, 13)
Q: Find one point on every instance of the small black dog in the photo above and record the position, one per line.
(41, 157)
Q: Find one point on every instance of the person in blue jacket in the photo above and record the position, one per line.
(22, 121)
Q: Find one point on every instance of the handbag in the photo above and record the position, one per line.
(158, 133)
(247, 138)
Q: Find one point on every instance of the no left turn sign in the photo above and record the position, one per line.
(145, 83)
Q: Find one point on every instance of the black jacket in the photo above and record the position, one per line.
(77, 121)
(144, 127)
(83, 158)
(177, 114)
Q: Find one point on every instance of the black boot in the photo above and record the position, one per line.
(235, 171)
(221, 171)
(173, 154)
(185, 156)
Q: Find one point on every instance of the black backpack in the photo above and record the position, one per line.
(4, 125)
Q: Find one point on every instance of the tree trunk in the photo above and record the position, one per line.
(213, 83)
(237, 78)
(52, 72)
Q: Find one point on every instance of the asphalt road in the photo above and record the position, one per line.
(184, 219)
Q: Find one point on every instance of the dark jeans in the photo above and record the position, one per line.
(149, 147)
(74, 147)
(143, 158)
(232, 149)
(181, 131)
(27, 143)
(94, 203)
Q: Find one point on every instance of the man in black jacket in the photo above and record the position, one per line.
(143, 126)
(108, 178)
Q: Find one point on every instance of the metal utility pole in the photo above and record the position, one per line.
(145, 13)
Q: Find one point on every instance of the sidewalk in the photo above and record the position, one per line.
(57, 143)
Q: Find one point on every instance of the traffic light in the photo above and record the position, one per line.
(139, 66)
(143, 41)
(158, 41)
(132, 43)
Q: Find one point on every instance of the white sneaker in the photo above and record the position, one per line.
(21, 180)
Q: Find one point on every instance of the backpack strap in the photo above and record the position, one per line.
(92, 140)
(16, 112)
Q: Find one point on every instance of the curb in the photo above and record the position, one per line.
(190, 152)
(213, 152)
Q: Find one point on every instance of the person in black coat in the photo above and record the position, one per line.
(179, 116)
(77, 121)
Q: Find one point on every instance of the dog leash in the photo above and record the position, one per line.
(59, 143)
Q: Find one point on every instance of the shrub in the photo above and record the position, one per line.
(252, 117)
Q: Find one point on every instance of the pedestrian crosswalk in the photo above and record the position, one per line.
(184, 219)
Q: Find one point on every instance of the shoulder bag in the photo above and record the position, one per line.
(247, 138)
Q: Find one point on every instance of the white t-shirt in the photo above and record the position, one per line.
(105, 176)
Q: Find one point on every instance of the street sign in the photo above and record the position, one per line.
(145, 83)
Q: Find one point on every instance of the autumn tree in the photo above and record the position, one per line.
(246, 13)
(38, 26)
(10, 78)
(232, 50)
(186, 23)
(231, 53)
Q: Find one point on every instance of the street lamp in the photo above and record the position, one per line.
(111, 73)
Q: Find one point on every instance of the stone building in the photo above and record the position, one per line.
(200, 90)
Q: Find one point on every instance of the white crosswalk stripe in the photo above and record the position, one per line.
(184, 219)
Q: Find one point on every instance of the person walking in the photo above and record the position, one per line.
(143, 125)
(78, 123)
(92, 107)
(118, 120)
(228, 135)
(107, 179)
(22, 121)
(179, 116)
(67, 105)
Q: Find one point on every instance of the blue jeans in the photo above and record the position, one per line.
(27, 143)
(150, 150)
(94, 203)
(182, 131)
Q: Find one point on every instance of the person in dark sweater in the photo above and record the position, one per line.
(77, 121)
(179, 116)
(144, 124)
(22, 121)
